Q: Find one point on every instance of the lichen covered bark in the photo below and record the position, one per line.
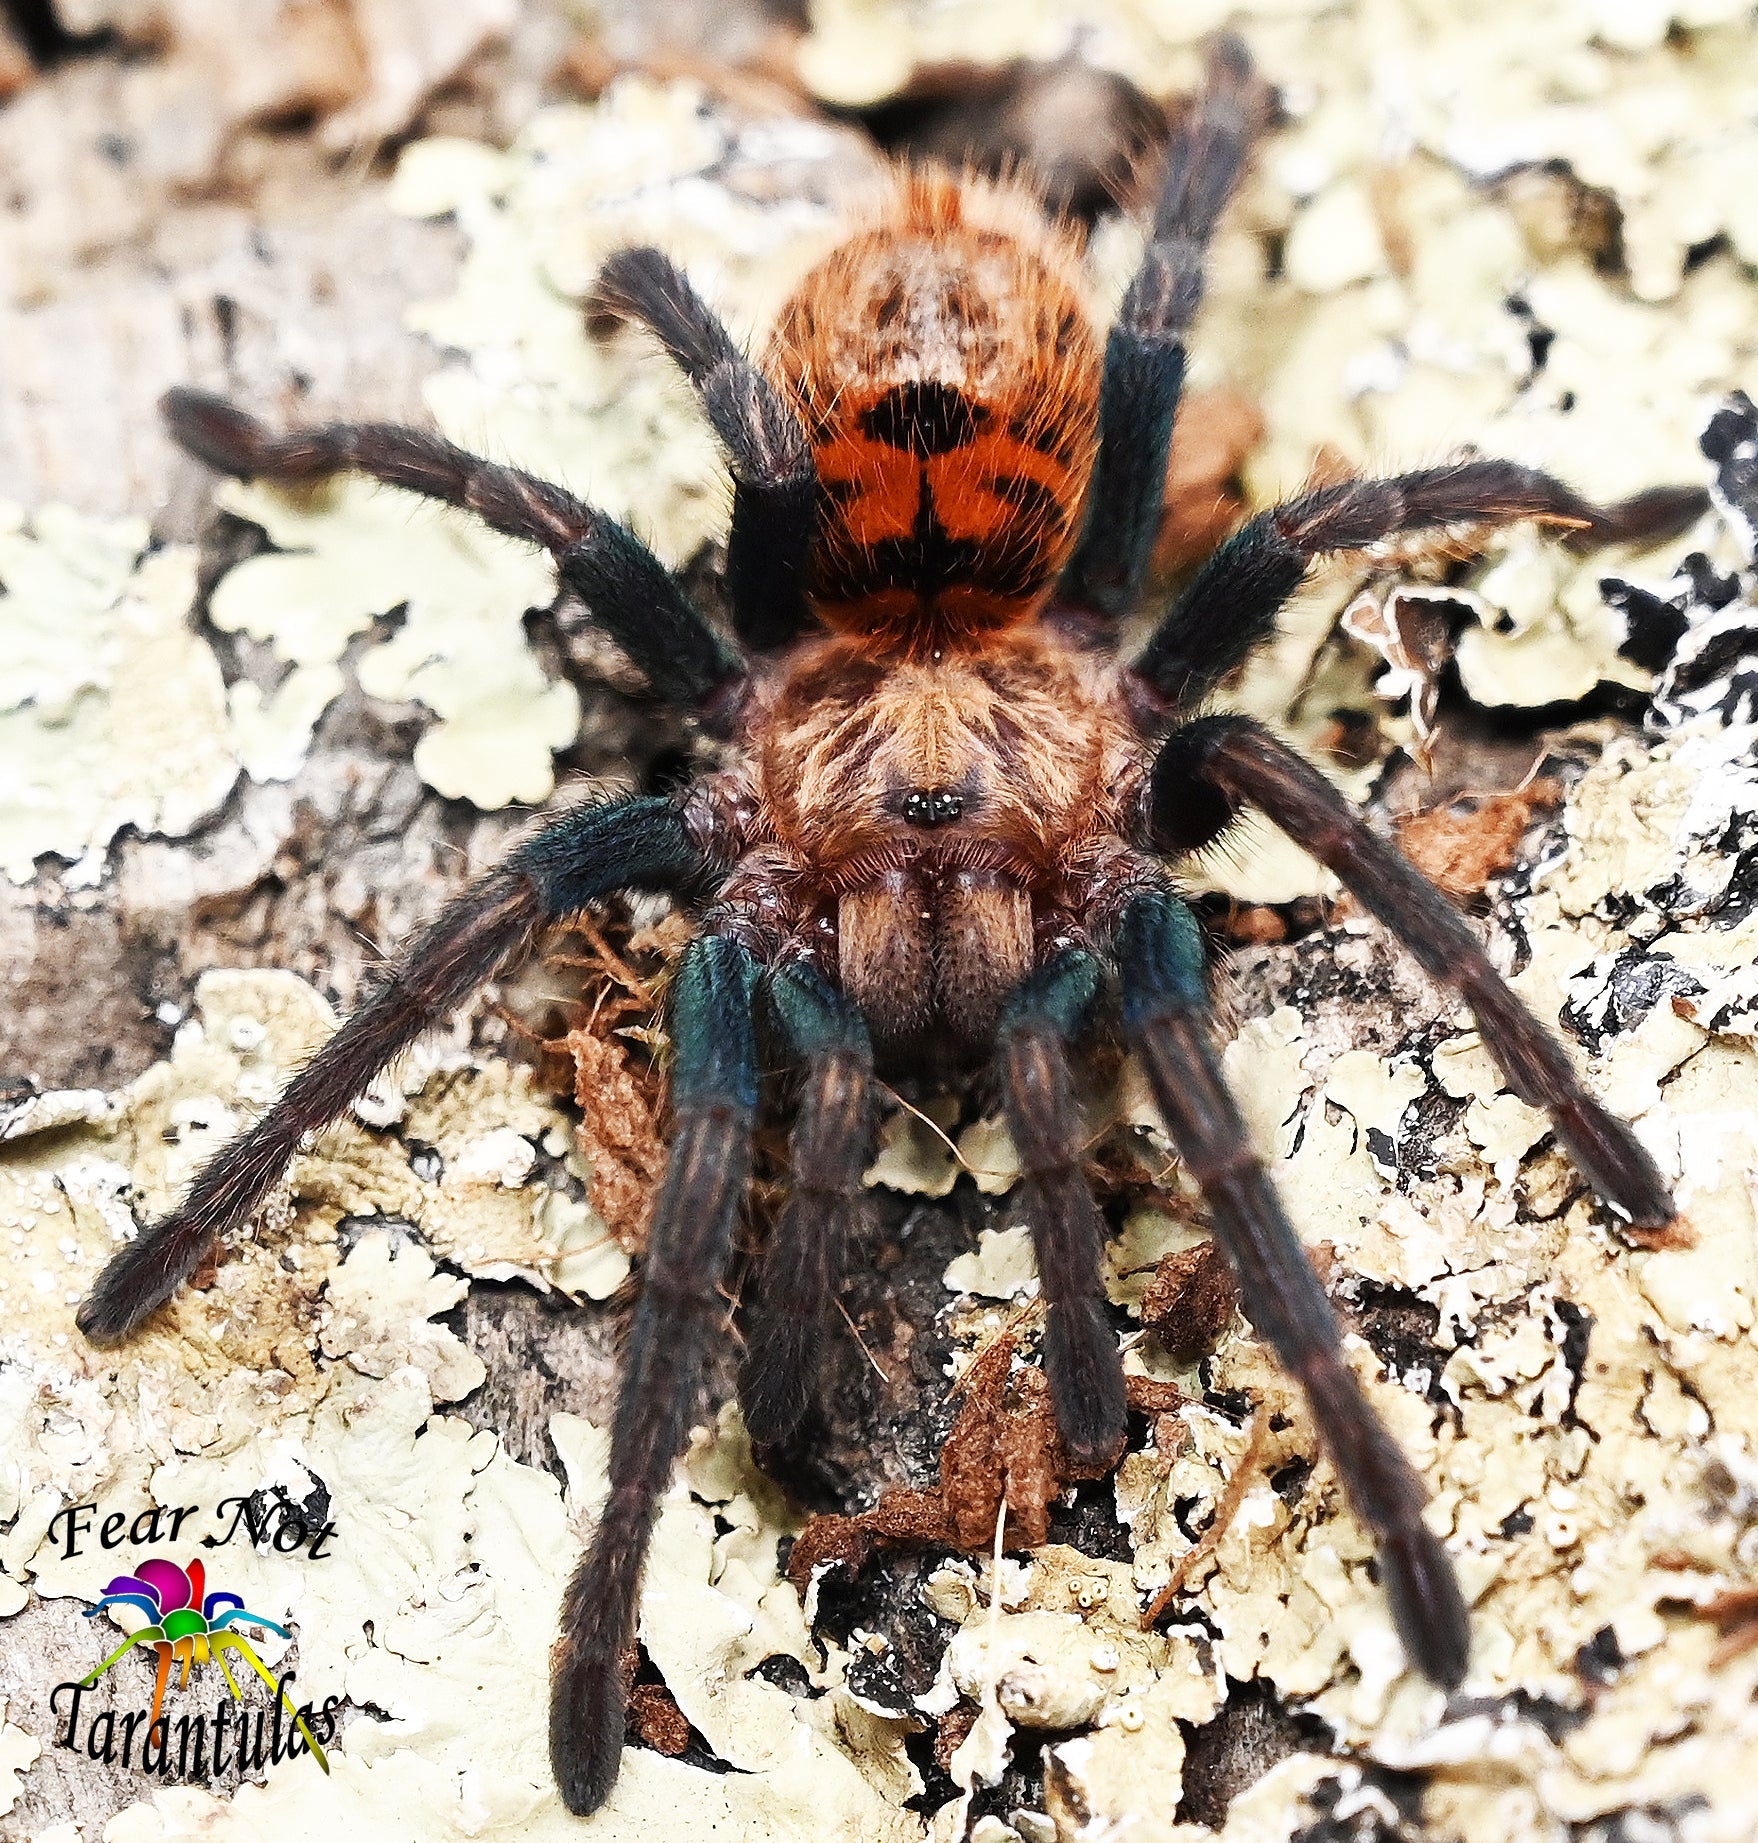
(1527, 235)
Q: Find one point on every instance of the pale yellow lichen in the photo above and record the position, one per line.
(349, 552)
(438, 1589)
(1570, 1481)
(1001, 1266)
(915, 1155)
(112, 712)
(18, 1754)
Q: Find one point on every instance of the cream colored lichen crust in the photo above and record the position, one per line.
(1610, 1496)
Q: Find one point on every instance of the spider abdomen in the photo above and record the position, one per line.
(947, 374)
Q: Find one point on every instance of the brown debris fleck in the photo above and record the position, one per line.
(1216, 432)
(1244, 1473)
(16, 69)
(613, 1078)
(1190, 1301)
(208, 1271)
(1733, 1611)
(1147, 1396)
(657, 1719)
(617, 1133)
(1463, 844)
(1673, 1236)
(1003, 1446)
(952, 1730)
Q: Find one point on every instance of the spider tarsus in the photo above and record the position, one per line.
(774, 1391)
(781, 1356)
(215, 431)
(1427, 1606)
(1208, 149)
(1085, 1374)
(588, 1699)
(1647, 517)
(802, 1270)
(141, 1278)
(643, 284)
(827, 1152)
(1614, 1162)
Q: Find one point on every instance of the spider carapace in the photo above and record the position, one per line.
(940, 827)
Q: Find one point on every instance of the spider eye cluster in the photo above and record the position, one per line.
(931, 806)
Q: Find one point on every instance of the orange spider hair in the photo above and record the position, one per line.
(946, 371)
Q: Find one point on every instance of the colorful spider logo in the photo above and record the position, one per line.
(187, 1628)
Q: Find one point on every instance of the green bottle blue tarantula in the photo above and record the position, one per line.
(941, 821)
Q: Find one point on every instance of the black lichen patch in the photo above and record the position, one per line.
(1598, 1662)
(886, 1601)
(1427, 1120)
(1289, 1480)
(1402, 1331)
(1730, 443)
(1577, 1326)
(1638, 980)
(1252, 1731)
(1090, 1522)
(289, 1517)
(1022, 1784)
(1366, 1805)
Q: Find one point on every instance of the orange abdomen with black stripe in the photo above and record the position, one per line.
(947, 374)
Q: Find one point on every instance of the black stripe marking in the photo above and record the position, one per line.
(931, 561)
(925, 418)
(1035, 501)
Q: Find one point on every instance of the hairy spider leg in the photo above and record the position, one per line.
(714, 1097)
(591, 852)
(1159, 957)
(1240, 762)
(631, 595)
(1230, 609)
(775, 485)
(1081, 1360)
(802, 1265)
(1144, 351)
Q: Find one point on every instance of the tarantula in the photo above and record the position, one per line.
(941, 823)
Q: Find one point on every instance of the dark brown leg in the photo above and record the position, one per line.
(1165, 1010)
(803, 1263)
(775, 485)
(1231, 607)
(627, 588)
(1081, 1360)
(635, 844)
(1144, 353)
(1243, 763)
(714, 1091)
